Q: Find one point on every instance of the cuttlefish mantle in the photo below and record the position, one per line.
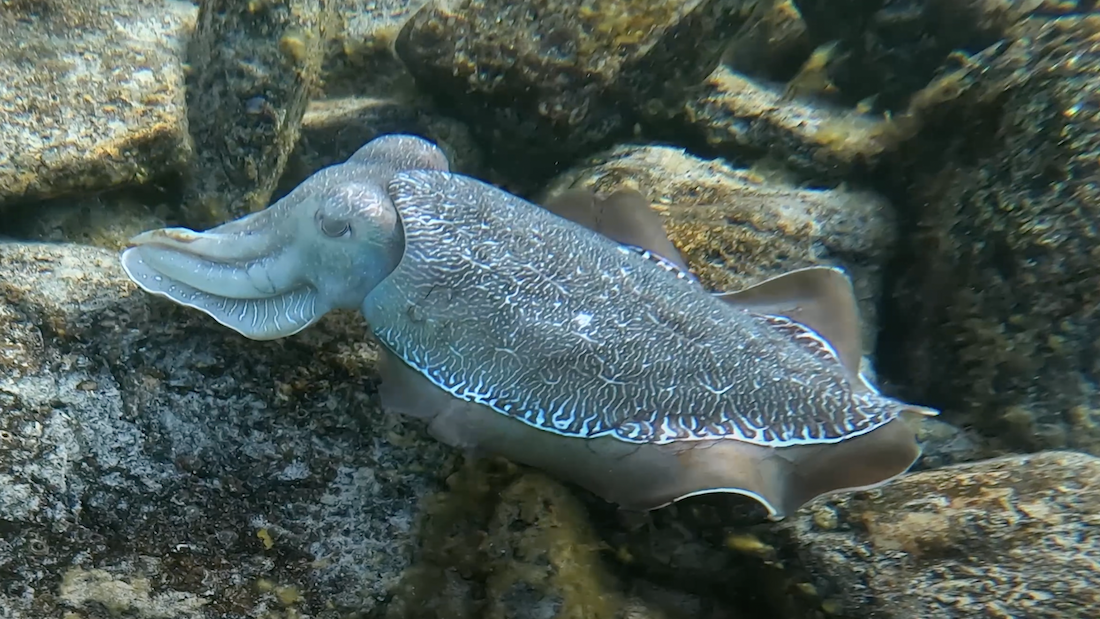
(572, 338)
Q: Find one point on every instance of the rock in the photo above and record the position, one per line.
(943, 444)
(108, 219)
(543, 80)
(359, 56)
(890, 51)
(736, 227)
(740, 117)
(1010, 537)
(772, 42)
(335, 128)
(253, 69)
(153, 462)
(91, 95)
(994, 315)
(832, 88)
(508, 542)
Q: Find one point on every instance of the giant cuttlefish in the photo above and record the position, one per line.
(570, 337)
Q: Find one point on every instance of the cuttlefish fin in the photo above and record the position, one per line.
(405, 391)
(785, 478)
(821, 298)
(625, 216)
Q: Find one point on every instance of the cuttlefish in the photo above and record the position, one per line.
(569, 336)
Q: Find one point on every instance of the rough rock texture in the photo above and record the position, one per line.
(736, 227)
(254, 66)
(1011, 537)
(996, 312)
(91, 95)
(507, 542)
(156, 463)
(891, 50)
(831, 87)
(543, 80)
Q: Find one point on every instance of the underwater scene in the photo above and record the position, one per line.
(549, 309)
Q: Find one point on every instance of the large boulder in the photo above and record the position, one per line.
(154, 462)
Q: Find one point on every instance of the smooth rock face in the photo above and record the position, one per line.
(155, 463)
(1012, 537)
(736, 228)
(91, 95)
(544, 79)
(995, 314)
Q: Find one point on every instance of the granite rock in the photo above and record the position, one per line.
(507, 542)
(91, 95)
(745, 119)
(359, 56)
(155, 463)
(831, 89)
(888, 51)
(1011, 537)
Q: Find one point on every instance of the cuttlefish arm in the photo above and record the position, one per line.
(272, 273)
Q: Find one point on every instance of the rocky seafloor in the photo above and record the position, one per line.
(155, 464)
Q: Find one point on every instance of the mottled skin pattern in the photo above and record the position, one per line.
(502, 303)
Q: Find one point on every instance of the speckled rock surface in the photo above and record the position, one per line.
(157, 464)
(891, 50)
(544, 80)
(254, 66)
(1012, 537)
(91, 95)
(996, 311)
(736, 227)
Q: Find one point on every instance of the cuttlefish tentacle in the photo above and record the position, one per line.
(535, 334)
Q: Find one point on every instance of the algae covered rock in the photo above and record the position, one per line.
(153, 463)
(253, 68)
(91, 95)
(1010, 537)
(508, 542)
(995, 313)
(543, 80)
(736, 227)
(736, 115)
(831, 88)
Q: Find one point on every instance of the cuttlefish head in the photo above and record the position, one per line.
(272, 273)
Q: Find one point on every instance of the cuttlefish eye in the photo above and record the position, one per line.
(331, 227)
